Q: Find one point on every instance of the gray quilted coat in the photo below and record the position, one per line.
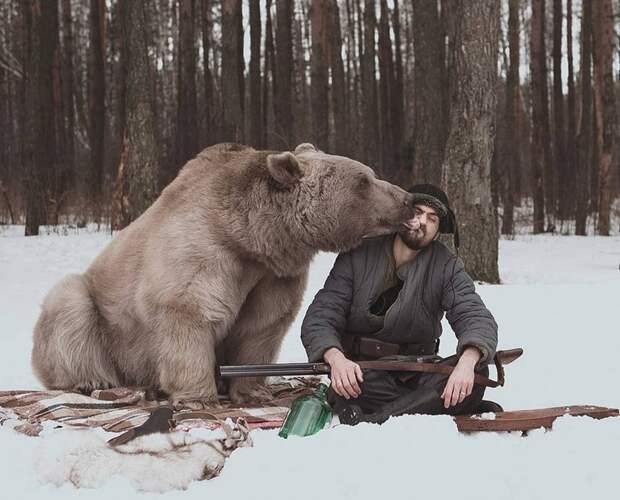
(435, 282)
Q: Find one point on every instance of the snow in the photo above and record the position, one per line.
(559, 300)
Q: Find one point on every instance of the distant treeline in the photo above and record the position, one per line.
(103, 101)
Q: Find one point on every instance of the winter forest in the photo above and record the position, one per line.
(510, 106)
(511, 103)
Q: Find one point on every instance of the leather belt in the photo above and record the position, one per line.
(356, 346)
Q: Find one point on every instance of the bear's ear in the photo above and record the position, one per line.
(305, 147)
(285, 169)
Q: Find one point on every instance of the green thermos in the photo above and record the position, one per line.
(308, 414)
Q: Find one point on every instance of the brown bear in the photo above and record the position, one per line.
(217, 264)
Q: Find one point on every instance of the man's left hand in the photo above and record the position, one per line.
(461, 381)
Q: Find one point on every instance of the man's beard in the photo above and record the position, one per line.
(413, 239)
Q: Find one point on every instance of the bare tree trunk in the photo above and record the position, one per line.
(513, 114)
(559, 155)
(606, 106)
(68, 82)
(319, 79)
(121, 77)
(448, 22)
(268, 76)
(187, 123)
(57, 190)
(429, 104)
(571, 132)
(41, 31)
(283, 98)
(540, 115)
(301, 89)
(354, 79)
(398, 103)
(338, 94)
(137, 176)
(583, 168)
(469, 149)
(241, 66)
(370, 118)
(255, 104)
(33, 178)
(362, 102)
(386, 87)
(96, 97)
(208, 76)
(232, 64)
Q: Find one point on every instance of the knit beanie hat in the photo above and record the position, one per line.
(436, 198)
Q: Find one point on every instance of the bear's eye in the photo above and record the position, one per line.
(363, 182)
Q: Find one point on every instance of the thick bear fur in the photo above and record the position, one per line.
(213, 272)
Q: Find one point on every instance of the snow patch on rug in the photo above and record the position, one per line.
(152, 463)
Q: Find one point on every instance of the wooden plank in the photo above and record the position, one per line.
(525, 420)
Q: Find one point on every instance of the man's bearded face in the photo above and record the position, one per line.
(421, 229)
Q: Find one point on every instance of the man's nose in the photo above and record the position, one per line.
(422, 218)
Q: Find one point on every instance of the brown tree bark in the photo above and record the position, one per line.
(208, 76)
(430, 117)
(137, 175)
(370, 118)
(254, 136)
(187, 123)
(448, 21)
(559, 153)
(120, 77)
(232, 65)
(361, 125)
(57, 190)
(268, 76)
(353, 79)
(319, 74)
(605, 106)
(338, 92)
(512, 159)
(96, 97)
(301, 88)
(398, 103)
(567, 208)
(386, 89)
(40, 152)
(583, 167)
(283, 96)
(541, 157)
(68, 82)
(469, 149)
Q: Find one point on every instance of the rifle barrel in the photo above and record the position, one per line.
(274, 370)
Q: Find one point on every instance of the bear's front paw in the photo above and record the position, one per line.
(195, 404)
(250, 394)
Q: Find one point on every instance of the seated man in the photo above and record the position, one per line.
(388, 296)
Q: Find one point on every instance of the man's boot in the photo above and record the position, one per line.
(421, 400)
(486, 406)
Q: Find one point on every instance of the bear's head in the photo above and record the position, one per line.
(333, 202)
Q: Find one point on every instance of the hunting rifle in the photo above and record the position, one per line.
(428, 364)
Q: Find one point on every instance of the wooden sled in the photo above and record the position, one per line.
(525, 420)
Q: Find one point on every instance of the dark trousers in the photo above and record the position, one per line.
(381, 388)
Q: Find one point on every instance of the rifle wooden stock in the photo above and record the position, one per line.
(418, 365)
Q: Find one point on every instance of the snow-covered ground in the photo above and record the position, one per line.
(559, 300)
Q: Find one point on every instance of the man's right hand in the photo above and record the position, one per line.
(346, 374)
